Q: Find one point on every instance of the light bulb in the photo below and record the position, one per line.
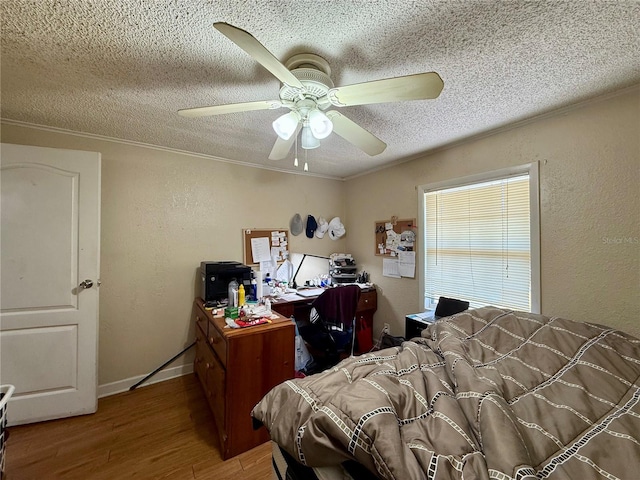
(320, 125)
(286, 125)
(308, 140)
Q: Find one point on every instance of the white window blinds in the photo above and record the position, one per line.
(477, 240)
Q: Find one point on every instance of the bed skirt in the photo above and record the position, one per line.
(286, 468)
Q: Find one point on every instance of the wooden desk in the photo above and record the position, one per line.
(300, 308)
(236, 368)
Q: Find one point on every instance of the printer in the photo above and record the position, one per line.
(215, 278)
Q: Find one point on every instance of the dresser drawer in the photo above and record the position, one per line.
(368, 301)
(218, 343)
(201, 321)
(216, 394)
(202, 351)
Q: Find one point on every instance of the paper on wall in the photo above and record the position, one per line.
(260, 249)
(269, 266)
(407, 264)
(390, 268)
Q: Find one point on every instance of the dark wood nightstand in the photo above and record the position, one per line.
(415, 323)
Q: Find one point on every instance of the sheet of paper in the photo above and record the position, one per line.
(291, 297)
(390, 267)
(269, 266)
(260, 249)
(407, 264)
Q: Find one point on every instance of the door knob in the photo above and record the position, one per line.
(86, 284)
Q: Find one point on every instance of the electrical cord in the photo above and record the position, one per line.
(376, 346)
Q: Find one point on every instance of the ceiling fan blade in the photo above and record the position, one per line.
(282, 147)
(230, 108)
(355, 134)
(264, 57)
(420, 86)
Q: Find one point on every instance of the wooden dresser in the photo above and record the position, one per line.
(236, 368)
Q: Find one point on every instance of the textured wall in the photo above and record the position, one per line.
(589, 208)
(163, 213)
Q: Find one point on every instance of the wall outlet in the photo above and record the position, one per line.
(386, 329)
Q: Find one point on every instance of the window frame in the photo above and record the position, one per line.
(531, 169)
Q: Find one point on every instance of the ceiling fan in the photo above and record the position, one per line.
(308, 91)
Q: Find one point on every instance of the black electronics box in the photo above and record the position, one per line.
(215, 278)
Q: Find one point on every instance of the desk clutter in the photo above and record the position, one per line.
(232, 284)
(242, 297)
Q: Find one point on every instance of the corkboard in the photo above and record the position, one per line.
(278, 238)
(402, 242)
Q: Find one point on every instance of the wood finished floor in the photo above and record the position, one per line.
(164, 430)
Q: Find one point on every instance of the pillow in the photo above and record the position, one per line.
(450, 306)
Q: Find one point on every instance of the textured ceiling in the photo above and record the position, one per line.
(122, 68)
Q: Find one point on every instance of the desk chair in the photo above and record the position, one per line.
(329, 332)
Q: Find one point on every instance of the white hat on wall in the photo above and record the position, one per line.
(323, 226)
(336, 228)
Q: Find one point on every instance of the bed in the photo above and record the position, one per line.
(484, 394)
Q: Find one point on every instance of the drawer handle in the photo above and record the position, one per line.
(214, 339)
(207, 365)
(197, 318)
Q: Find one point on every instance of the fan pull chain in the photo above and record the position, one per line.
(306, 165)
(295, 160)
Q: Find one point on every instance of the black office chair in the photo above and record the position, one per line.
(329, 332)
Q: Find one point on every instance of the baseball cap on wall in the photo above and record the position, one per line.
(336, 228)
(323, 226)
(311, 226)
(296, 224)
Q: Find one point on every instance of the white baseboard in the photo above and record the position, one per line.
(124, 385)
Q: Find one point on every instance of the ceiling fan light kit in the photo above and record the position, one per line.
(308, 140)
(320, 125)
(286, 124)
(308, 91)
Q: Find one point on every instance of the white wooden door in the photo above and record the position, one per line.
(49, 245)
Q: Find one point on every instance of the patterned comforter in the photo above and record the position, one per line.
(487, 393)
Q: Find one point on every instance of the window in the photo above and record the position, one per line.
(481, 240)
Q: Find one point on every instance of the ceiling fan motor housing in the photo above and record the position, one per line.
(317, 84)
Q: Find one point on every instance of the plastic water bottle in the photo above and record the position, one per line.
(254, 289)
(233, 293)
